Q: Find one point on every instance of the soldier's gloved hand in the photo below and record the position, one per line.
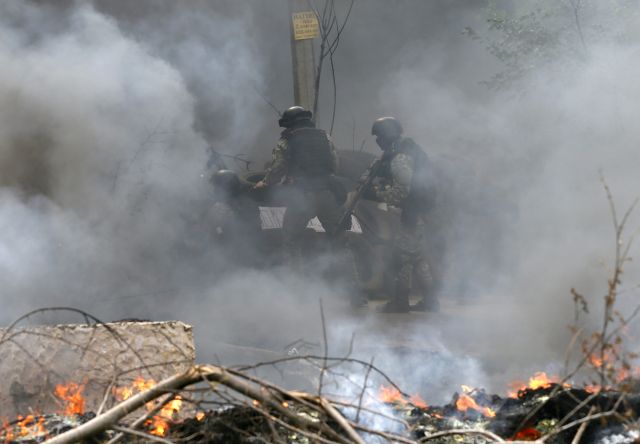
(260, 185)
(371, 193)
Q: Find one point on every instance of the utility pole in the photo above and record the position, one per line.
(304, 28)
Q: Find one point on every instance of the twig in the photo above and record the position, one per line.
(364, 389)
(578, 422)
(578, 436)
(342, 422)
(480, 432)
(314, 437)
(374, 412)
(107, 395)
(275, 108)
(388, 436)
(326, 349)
(312, 357)
(141, 420)
(147, 436)
(576, 409)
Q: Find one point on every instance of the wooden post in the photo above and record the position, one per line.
(304, 28)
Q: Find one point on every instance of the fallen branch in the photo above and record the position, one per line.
(342, 422)
(141, 420)
(147, 436)
(212, 374)
(485, 433)
(578, 436)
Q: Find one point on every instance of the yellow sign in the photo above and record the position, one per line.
(305, 25)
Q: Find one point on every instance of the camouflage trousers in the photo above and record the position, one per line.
(412, 269)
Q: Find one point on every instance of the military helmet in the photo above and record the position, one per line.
(293, 115)
(387, 127)
(226, 180)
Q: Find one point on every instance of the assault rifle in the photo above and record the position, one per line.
(351, 202)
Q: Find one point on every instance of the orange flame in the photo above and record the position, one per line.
(159, 424)
(161, 421)
(622, 374)
(417, 401)
(28, 426)
(607, 359)
(596, 361)
(390, 395)
(466, 402)
(537, 381)
(71, 394)
(137, 386)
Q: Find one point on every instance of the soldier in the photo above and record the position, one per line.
(235, 217)
(305, 159)
(406, 181)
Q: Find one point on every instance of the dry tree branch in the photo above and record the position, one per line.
(330, 32)
(364, 389)
(314, 437)
(388, 436)
(141, 420)
(568, 355)
(578, 436)
(326, 349)
(483, 433)
(578, 422)
(373, 412)
(576, 409)
(214, 375)
(604, 336)
(138, 433)
(310, 358)
(107, 395)
(342, 422)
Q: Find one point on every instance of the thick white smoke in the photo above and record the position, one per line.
(98, 159)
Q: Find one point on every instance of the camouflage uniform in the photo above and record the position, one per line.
(394, 187)
(308, 196)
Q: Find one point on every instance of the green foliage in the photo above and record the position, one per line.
(555, 35)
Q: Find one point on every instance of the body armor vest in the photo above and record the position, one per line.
(422, 193)
(310, 153)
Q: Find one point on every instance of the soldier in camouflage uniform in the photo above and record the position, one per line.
(405, 181)
(305, 159)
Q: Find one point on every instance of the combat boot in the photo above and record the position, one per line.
(398, 304)
(427, 303)
(358, 300)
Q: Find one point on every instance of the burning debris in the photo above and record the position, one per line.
(74, 364)
(216, 404)
(250, 408)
